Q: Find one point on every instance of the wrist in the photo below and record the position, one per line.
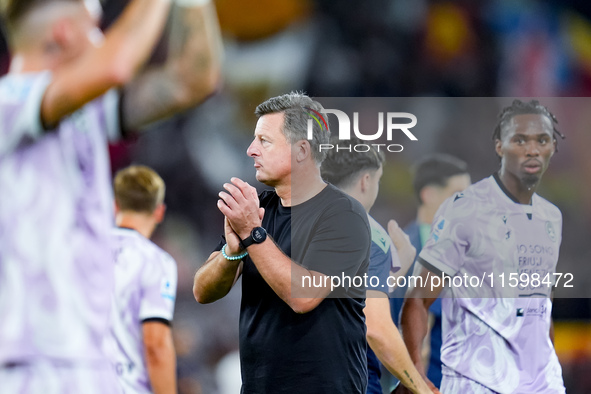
(247, 230)
(243, 235)
(233, 257)
(257, 235)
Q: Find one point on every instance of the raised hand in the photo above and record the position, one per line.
(240, 206)
(406, 252)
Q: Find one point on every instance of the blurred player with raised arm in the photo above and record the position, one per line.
(358, 174)
(70, 89)
(145, 286)
(496, 338)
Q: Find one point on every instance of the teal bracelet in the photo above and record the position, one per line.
(232, 258)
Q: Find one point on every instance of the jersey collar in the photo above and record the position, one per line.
(528, 208)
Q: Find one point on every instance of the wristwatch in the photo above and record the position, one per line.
(257, 235)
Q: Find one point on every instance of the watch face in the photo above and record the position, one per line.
(259, 234)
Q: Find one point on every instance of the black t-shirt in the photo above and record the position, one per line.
(324, 350)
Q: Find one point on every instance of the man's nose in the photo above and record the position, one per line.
(532, 148)
(252, 150)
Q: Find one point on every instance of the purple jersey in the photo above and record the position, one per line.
(145, 289)
(56, 272)
(502, 341)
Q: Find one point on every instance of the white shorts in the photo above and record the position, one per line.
(454, 383)
(47, 378)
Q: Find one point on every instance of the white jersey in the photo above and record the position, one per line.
(56, 211)
(145, 289)
(502, 341)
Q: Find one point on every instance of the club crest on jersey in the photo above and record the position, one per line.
(438, 230)
(550, 231)
(166, 289)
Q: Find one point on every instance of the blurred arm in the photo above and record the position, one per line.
(190, 74)
(126, 46)
(160, 357)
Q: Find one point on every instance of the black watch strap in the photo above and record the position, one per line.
(257, 235)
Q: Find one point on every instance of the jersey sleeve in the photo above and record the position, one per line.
(555, 232)
(381, 239)
(380, 262)
(159, 284)
(20, 109)
(396, 264)
(339, 246)
(446, 248)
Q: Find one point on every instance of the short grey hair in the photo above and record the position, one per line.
(297, 108)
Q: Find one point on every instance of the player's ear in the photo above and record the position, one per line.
(498, 145)
(63, 35)
(364, 180)
(427, 194)
(159, 212)
(303, 150)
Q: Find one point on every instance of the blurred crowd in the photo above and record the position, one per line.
(376, 48)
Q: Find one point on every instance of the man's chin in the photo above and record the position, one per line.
(530, 181)
(262, 179)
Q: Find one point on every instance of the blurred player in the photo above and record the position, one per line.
(436, 178)
(358, 174)
(295, 336)
(499, 344)
(70, 89)
(145, 286)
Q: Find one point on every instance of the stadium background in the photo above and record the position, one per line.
(376, 48)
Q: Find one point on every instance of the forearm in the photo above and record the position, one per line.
(215, 278)
(385, 340)
(190, 74)
(162, 370)
(125, 48)
(131, 38)
(414, 323)
(391, 351)
(286, 278)
(196, 47)
(161, 365)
